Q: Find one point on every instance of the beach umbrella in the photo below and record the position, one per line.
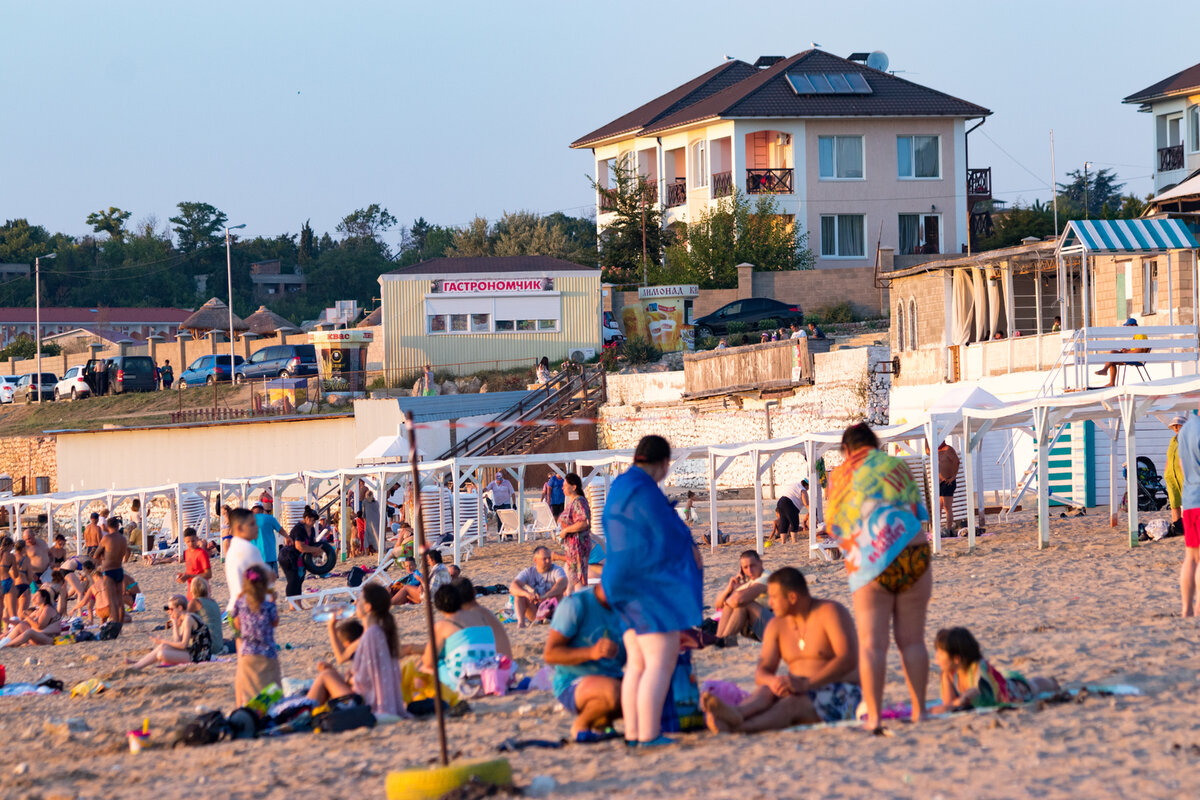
(266, 322)
(212, 316)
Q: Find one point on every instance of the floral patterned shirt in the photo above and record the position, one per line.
(257, 627)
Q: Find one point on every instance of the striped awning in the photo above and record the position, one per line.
(1126, 235)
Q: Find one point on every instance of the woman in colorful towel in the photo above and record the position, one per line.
(375, 672)
(875, 513)
(575, 522)
(191, 644)
(969, 681)
(652, 579)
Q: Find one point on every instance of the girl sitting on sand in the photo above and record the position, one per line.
(191, 644)
(255, 616)
(39, 625)
(968, 681)
(375, 673)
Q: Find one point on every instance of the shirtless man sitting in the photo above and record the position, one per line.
(739, 603)
(39, 557)
(817, 640)
(111, 555)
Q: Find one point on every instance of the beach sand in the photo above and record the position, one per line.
(1086, 610)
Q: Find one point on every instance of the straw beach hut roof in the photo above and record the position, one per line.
(212, 316)
(266, 322)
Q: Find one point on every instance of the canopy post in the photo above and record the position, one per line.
(381, 521)
(1041, 439)
(1110, 427)
(178, 520)
(815, 509)
(141, 521)
(712, 501)
(758, 502)
(1129, 423)
(521, 503)
(79, 528)
(343, 532)
(455, 513)
(49, 522)
(969, 473)
(935, 510)
(1037, 305)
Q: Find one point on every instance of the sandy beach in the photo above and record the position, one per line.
(1087, 610)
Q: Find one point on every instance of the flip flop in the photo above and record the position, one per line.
(592, 737)
(658, 742)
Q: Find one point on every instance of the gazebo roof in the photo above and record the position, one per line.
(264, 321)
(212, 316)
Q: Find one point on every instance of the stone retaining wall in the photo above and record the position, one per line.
(29, 457)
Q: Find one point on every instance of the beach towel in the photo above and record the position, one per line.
(650, 574)
(875, 511)
(466, 654)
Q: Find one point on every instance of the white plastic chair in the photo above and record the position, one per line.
(509, 525)
(466, 543)
(543, 520)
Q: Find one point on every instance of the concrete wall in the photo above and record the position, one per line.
(129, 457)
(27, 458)
(846, 390)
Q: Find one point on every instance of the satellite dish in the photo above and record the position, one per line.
(878, 60)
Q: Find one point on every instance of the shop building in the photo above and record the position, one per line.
(464, 315)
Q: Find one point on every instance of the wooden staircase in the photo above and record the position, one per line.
(577, 391)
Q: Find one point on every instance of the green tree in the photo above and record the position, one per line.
(366, 223)
(111, 221)
(24, 347)
(21, 242)
(1088, 196)
(1019, 222)
(308, 245)
(733, 232)
(634, 237)
(198, 225)
(473, 239)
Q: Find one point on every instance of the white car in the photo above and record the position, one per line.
(8, 384)
(72, 385)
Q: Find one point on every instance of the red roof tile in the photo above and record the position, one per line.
(95, 317)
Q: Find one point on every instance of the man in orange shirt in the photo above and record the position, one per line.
(196, 562)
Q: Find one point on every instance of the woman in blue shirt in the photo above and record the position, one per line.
(652, 578)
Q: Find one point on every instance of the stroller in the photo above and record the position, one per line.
(1151, 493)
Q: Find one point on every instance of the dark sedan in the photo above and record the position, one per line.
(750, 311)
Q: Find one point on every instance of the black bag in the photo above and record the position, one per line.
(356, 577)
(207, 728)
(109, 631)
(245, 723)
(343, 714)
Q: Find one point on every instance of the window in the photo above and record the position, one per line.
(920, 233)
(437, 323)
(1149, 287)
(699, 164)
(481, 323)
(1193, 116)
(912, 324)
(458, 323)
(840, 157)
(900, 326)
(918, 157)
(843, 236)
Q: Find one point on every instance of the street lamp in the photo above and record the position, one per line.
(229, 275)
(37, 294)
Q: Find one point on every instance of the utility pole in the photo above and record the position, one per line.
(645, 268)
(37, 291)
(1086, 215)
(1053, 185)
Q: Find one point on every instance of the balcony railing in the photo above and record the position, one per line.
(1170, 158)
(608, 197)
(676, 193)
(608, 200)
(979, 183)
(769, 181)
(722, 184)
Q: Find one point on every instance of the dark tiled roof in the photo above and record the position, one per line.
(694, 91)
(491, 264)
(1179, 82)
(768, 94)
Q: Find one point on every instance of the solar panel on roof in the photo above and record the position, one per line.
(799, 83)
(838, 82)
(858, 84)
(828, 83)
(820, 83)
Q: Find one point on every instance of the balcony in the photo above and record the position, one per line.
(676, 193)
(1170, 158)
(979, 185)
(769, 181)
(722, 184)
(608, 200)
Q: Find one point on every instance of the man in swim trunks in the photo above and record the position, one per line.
(947, 485)
(740, 603)
(584, 645)
(39, 557)
(92, 535)
(111, 555)
(817, 640)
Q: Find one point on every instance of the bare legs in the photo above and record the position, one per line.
(651, 660)
(1187, 580)
(948, 509)
(162, 654)
(761, 711)
(526, 611)
(875, 610)
(598, 701)
(328, 684)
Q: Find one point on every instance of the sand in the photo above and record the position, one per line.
(1086, 610)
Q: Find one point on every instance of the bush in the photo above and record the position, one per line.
(736, 327)
(640, 351)
(834, 314)
(608, 357)
(24, 347)
(707, 343)
(768, 324)
(378, 383)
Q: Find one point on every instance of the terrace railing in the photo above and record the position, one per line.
(1170, 158)
(776, 180)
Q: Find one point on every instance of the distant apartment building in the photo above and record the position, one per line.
(859, 156)
(271, 282)
(135, 323)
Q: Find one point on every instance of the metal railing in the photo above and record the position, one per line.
(676, 193)
(722, 184)
(1170, 158)
(979, 183)
(776, 180)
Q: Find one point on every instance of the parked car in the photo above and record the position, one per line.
(72, 385)
(8, 387)
(610, 330)
(30, 386)
(750, 311)
(208, 369)
(132, 374)
(280, 361)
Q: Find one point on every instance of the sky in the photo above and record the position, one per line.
(281, 112)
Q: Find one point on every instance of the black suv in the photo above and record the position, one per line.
(750, 311)
(280, 361)
(132, 374)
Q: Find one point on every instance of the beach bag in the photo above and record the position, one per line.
(343, 714)
(546, 608)
(245, 723)
(109, 631)
(208, 728)
(1157, 529)
(681, 711)
(356, 577)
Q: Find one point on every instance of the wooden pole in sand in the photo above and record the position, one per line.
(419, 533)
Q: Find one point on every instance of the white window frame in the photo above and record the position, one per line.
(1149, 286)
(912, 156)
(698, 164)
(839, 256)
(921, 216)
(1192, 136)
(862, 148)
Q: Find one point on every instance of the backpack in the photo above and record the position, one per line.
(356, 576)
(200, 647)
(109, 631)
(681, 711)
(207, 728)
(344, 713)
